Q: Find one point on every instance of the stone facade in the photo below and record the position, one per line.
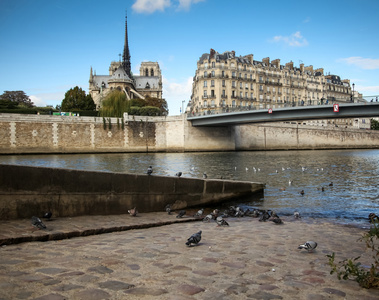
(147, 84)
(226, 82)
(21, 134)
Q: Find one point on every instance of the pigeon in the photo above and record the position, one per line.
(302, 192)
(277, 220)
(149, 170)
(199, 213)
(181, 214)
(331, 184)
(221, 222)
(239, 212)
(178, 174)
(205, 176)
(264, 216)
(36, 222)
(194, 239)
(168, 209)
(133, 212)
(255, 213)
(215, 213)
(47, 215)
(296, 214)
(310, 246)
(208, 218)
(373, 218)
(274, 215)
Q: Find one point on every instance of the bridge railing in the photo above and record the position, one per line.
(213, 110)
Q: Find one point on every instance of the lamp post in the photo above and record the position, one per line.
(353, 93)
(183, 101)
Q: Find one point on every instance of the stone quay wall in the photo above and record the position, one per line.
(26, 191)
(22, 134)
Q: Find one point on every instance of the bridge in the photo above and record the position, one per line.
(317, 112)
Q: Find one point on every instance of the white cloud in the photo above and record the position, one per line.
(367, 90)
(294, 40)
(360, 62)
(37, 101)
(186, 4)
(175, 92)
(150, 6)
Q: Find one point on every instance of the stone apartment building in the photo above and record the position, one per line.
(148, 83)
(226, 82)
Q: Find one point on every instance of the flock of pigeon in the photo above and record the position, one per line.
(236, 211)
(219, 218)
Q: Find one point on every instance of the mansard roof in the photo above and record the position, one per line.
(143, 82)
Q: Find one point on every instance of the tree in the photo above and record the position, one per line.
(114, 105)
(17, 97)
(160, 103)
(76, 99)
(374, 124)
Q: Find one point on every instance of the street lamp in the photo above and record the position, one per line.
(353, 92)
(183, 101)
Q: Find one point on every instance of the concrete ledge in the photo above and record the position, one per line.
(26, 191)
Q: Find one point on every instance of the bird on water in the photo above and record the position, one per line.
(149, 170)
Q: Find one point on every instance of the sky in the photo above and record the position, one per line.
(48, 47)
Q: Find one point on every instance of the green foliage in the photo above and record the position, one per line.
(110, 123)
(115, 104)
(137, 102)
(104, 124)
(352, 268)
(374, 124)
(76, 99)
(19, 98)
(160, 103)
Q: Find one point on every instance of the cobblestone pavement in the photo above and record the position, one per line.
(247, 260)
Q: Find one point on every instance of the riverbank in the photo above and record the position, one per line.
(248, 259)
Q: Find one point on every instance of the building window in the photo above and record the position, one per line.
(212, 103)
(213, 73)
(251, 96)
(213, 64)
(212, 83)
(205, 83)
(233, 74)
(233, 94)
(205, 94)
(205, 103)
(223, 83)
(223, 74)
(261, 88)
(146, 72)
(246, 95)
(233, 84)
(240, 94)
(240, 85)
(260, 79)
(205, 74)
(151, 72)
(212, 93)
(245, 76)
(251, 86)
(223, 93)
(246, 85)
(234, 103)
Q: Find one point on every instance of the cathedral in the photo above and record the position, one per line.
(148, 83)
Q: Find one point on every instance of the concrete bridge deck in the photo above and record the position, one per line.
(345, 110)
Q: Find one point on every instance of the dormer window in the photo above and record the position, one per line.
(147, 85)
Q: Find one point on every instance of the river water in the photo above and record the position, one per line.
(353, 173)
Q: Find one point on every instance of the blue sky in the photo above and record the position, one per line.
(48, 46)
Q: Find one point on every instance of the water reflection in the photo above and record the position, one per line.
(354, 174)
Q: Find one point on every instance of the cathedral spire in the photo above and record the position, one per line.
(126, 54)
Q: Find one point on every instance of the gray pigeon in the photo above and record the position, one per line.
(309, 245)
(199, 213)
(47, 215)
(221, 222)
(296, 214)
(208, 218)
(36, 222)
(178, 174)
(205, 176)
(168, 209)
(277, 220)
(194, 239)
(149, 170)
(181, 214)
(133, 212)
